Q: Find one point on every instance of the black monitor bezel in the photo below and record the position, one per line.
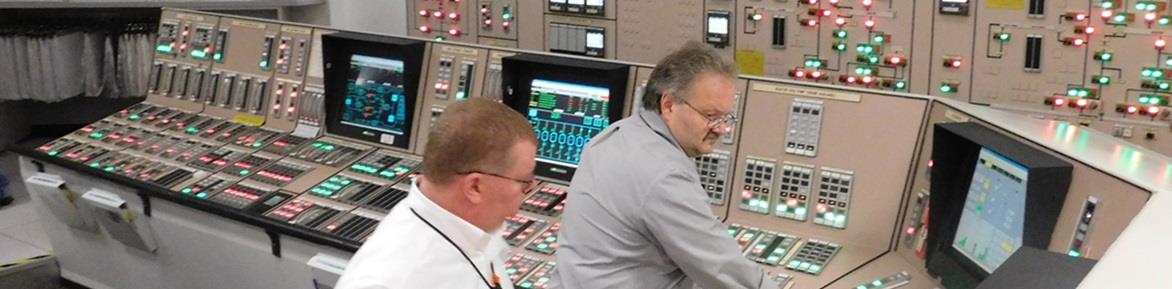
(955, 149)
(337, 50)
(518, 72)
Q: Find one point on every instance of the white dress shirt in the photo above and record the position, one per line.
(405, 252)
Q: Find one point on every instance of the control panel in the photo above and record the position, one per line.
(713, 168)
(445, 20)
(236, 113)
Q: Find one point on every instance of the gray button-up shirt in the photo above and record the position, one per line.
(636, 217)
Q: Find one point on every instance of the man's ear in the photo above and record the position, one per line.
(473, 189)
(665, 103)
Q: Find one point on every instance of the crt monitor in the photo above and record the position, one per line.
(991, 195)
(371, 82)
(568, 101)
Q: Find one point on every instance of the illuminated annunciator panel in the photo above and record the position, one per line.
(241, 84)
(834, 195)
(713, 168)
(184, 53)
(809, 194)
(291, 67)
(794, 192)
(444, 20)
(454, 73)
(758, 180)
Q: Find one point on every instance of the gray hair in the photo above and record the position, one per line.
(675, 73)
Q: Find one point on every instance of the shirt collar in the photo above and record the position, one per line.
(655, 122)
(468, 237)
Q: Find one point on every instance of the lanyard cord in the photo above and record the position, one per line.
(490, 268)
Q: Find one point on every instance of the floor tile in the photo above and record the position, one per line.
(13, 249)
(30, 233)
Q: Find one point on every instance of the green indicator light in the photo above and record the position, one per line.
(317, 144)
(186, 190)
(460, 95)
(1164, 20)
(439, 38)
(192, 130)
(264, 64)
(879, 38)
(53, 153)
(199, 54)
(1072, 92)
(164, 48)
(877, 283)
(1104, 80)
(900, 85)
(1143, 99)
(217, 56)
(1165, 86)
(1082, 93)
(1107, 56)
(94, 165)
(1074, 253)
(873, 59)
(202, 195)
(859, 70)
(1119, 18)
(946, 88)
(256, 144)
(1157, 73)
(134, 117)
(1107, 4)
(1140, 6)
(1168, 61)
(840, 33)
(861, 287)
(1002, 36)
(507, 16)
(244, 172)
(840, 46)
(109, 169)
(1145, 73)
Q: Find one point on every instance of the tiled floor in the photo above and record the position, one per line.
(21, 236)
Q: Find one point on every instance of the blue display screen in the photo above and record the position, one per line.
(375, 95)
(566, 116)
(992, 222)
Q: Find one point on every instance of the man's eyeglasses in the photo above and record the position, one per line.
(528, 183)
(725, 122)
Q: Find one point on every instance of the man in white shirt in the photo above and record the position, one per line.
(478, 165)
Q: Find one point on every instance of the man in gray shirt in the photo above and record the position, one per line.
(637, 216)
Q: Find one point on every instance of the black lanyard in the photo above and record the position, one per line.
(496, 283)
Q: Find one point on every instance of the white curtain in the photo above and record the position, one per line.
(53, 66)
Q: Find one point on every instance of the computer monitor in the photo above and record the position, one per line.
(991, 195)
(371, 83)
(568, 101)
(991, 223)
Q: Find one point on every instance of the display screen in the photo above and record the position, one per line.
(566, 116)
(717, 24)
(991, 224)
(594, 39)
(594, 2)
(375, 95)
